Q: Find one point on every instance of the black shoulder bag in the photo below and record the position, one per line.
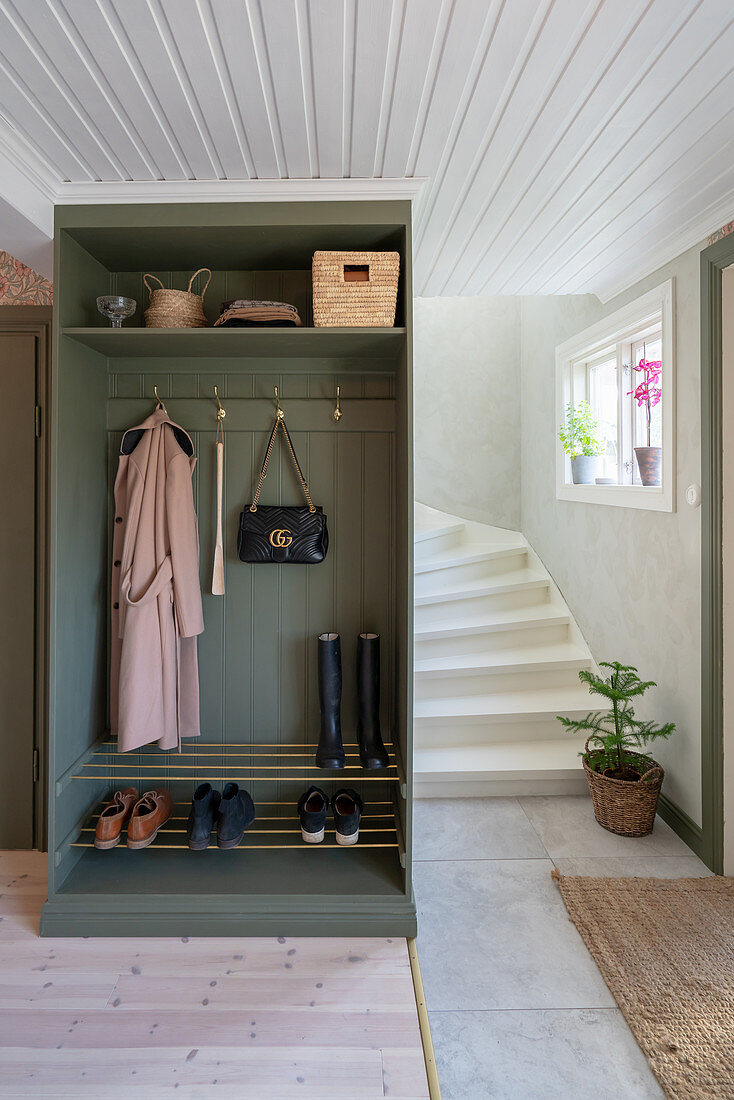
(281, 535)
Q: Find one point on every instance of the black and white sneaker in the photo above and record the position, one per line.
(312, 807)
(346, 805)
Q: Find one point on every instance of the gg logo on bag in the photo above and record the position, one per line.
(280, 537)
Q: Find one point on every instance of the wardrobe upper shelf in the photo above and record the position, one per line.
(289, 343)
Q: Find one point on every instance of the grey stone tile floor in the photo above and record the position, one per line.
(517, 1006)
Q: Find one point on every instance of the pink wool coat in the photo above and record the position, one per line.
(156, 596)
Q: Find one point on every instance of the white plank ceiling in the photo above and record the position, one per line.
(566, 146)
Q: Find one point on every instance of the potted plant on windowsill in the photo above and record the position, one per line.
(647, 394)
(624, 783)
(581, 440)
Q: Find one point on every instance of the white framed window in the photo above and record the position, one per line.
(623, 369)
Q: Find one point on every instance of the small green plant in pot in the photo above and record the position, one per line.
(624, 780)
(581, 440)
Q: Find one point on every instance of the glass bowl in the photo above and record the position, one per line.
(116, 308)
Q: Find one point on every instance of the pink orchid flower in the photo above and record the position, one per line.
(648, 393)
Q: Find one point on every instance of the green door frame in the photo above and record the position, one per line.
(36, 321)
(713, 261)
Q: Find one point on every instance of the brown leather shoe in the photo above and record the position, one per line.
(151, 811)
(113, 817)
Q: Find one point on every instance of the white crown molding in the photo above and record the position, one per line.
(695, 232)
(25, 182)
(30, 187)
(271, 190)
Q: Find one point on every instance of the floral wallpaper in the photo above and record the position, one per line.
(21, 285)
(723, 232)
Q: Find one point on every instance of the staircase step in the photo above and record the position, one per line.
(469, 555)
(476, 764)
(544, 658)
(504, 706)
(534, 679)
(428, 533)
(521, 618)
(497, 657)
(517, 580)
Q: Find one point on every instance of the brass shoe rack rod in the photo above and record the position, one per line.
(331, 778)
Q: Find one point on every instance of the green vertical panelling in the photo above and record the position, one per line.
(268, 286)
(189, 385)
(321, 606)
(240, 386)
(296, 289)
(211, 642)
(378, 559)
(77, 697)
(292, 613)
(266, 582)
(239, 626)
(81, 573)
(349, 551)
(128, 385)
(238, 284)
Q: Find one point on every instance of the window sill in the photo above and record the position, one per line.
(655, 498)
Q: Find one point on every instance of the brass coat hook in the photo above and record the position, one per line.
(278, 411)
(158, 399)
(337, 413)
(221, 413)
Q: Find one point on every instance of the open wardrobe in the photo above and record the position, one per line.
(230, 578)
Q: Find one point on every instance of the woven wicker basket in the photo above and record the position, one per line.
(176, 308)
(355, 288)
(625, 807)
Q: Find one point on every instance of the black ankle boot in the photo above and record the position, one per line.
(330, 753)
(372, 752)
(236, 813)
(204, 806)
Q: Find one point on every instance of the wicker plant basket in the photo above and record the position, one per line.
(625, 807)
(355, 288)
(176, 308)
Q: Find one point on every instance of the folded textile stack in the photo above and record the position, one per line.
(242, 312)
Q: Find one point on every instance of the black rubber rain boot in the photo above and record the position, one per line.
(330, 753)
(372, 752)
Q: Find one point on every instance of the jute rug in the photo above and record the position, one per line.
(666, 950)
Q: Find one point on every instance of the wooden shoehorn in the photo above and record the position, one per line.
(218, 572)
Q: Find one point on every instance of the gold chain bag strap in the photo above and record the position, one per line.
(279, 534)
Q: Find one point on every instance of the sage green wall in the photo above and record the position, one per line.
(467, 407)
(631, 578)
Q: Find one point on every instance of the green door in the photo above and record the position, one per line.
(17, 587)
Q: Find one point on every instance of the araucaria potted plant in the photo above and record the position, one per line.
(581, 440)
(647, 394)
(624, 783)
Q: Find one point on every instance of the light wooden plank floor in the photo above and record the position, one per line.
(260, 1019)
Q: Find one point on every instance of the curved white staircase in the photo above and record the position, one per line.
(497, 656)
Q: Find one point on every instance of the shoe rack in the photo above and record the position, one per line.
(258, 654)
(277, 825)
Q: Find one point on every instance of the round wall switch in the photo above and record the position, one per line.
(693, 495)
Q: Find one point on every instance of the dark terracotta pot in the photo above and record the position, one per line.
(650, 464)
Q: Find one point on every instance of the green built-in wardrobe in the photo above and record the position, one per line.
(258, 653)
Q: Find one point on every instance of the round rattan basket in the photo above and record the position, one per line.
(176, 308)
(625, 807)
